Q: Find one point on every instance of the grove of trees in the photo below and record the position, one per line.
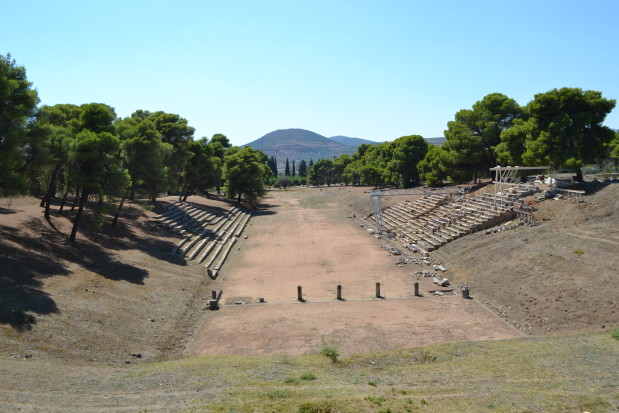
(86, 153)
(89, 154)
(561, 128)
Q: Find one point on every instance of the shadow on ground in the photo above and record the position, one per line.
(265, 209)
(590, 188)
(36, 251)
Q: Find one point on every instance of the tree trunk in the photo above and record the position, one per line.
(77, 197)
(579, 177)
(183, 192)
(64, 199)
(78, 217)
(132, 194)
(490, 152)
(120, 207)
(239, 198)
(50, 189)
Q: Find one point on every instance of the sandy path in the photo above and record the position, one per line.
(317, 248)
(307, 240)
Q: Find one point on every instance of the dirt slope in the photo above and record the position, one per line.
(113, 294)
(561, 275)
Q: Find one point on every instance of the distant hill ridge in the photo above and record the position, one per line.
(297, 144)
(436, 141)
(345, 140)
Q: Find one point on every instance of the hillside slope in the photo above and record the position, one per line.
(111, 294)
(554, 277)
(345, 140)
(297, 144)
(553, 374)
(436, 141)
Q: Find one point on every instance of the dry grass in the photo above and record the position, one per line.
(570, 374)
(90, 302)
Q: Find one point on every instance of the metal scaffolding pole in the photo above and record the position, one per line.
(377, 206)
(379, 197)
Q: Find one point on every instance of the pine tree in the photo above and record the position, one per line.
(302, 168)
(293, 169)
(287, 170)
(273, 165)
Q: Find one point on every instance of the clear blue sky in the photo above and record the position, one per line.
(369, 69)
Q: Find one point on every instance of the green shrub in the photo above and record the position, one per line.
(615, 334)
(376, 400)
(315, 408)
(579, 251)
(308, 376)
(330, 352)
(278, 394)
(424, 357)
(291, 380)
(148, 206)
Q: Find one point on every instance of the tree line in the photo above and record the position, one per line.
(87, 151)
(562, 128)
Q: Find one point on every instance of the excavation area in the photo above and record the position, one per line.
(121, 320)
(306, 238)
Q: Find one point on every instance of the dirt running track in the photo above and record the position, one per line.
(304, 238)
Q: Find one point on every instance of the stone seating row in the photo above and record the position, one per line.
(199, 227)
(208, 235)
(201, 245)
(185, 218)
(437, 221)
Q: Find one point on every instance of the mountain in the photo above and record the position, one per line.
(436, 141)
(345, 140)
(297, 144)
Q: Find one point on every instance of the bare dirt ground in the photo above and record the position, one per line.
(561, 275)
(121, 292)
(305, 239)
(71, 316)
(113, 294)
(558, 276)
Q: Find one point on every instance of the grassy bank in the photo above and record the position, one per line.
(556, 374)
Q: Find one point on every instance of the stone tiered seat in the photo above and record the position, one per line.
(243, 224)
(209, 235)
(392, 217)
(203, 239)
(181, 223)
(433, 220)
(224, 254)
(173, 214)
(211, 243)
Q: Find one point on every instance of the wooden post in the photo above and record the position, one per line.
(300, 293)
(339, 292)
(378, 290)
(416, 289)
(214, 294)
